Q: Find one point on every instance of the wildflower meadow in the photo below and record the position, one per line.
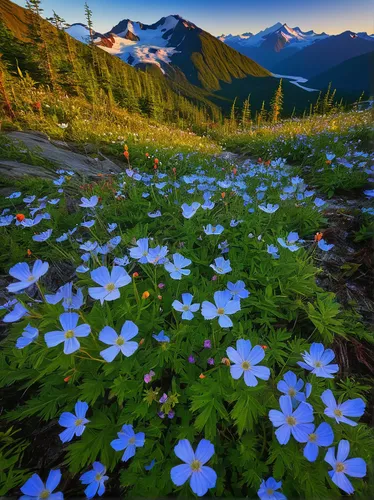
(166, 333)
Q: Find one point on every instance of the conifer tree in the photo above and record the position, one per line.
(262, 114)
(37, 34)
(233, 115)
(246, 113)
(277, 103)
(88, 14)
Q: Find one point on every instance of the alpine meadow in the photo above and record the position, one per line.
(187, 249)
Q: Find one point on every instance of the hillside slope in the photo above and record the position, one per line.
(350, 78)
(325, 54)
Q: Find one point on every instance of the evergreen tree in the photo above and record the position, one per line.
(246, 113)
(277, 103)
(88, 14)
(233, 115)
(37, 34)
(262, 114)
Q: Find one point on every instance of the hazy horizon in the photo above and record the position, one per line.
(236, 17)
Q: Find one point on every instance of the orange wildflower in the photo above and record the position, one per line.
(147, 155)
(20, 217)
(202, 375)
(156, 161)
(126, 155)
(29, 252)
(225, 361)
(141, 342)
(264, 346)
(66, 379)
(234, 171)
(223, 195)
(318, 237)
(135, 275)
(145, 295)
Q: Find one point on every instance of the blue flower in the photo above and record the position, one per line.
(35, 489)
(290, 386)
(140, 252)
(111, 228)
(223, 306)
(128, 441)
(209, 229)
(322, 245)
(245, 360)
(292, 238)
(369, 193)
(221, 266)
(317, 361)
(13, 196)
(161, 337)
(186, 307)
(110, 283)
(157, 255)
(201, 476)
(319, 202)
(42, 236)
(154, 214)
(88, 223)
(350, 408)
(268, 490)
(189, 211)
(95, 479)
(75, 424)
(66, 295)
(234, 223)
(89, 202)
(89, 246)
(6, 220)
(69, 333)
(354, 467)
(176, 270)
(322, 436)
(298, 422)
(273, 251)
(269, 208)
(224, 247)
(151, 465)
(18, 312)
(119, 343)
(237, 290)
(29, 334)
(26, 277)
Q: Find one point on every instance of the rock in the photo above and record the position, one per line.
(57, 152)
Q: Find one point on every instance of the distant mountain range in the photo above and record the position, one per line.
(291, 51)
(180, 49)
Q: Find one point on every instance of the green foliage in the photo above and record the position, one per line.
(284, 313)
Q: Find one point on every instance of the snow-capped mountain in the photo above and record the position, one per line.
(174, 44)
(271, 45)
(137, 43)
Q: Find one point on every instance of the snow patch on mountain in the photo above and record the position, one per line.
(137, 43)
(79, 32)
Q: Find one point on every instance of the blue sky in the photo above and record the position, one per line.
(225, 16)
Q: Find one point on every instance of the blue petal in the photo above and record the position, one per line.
(283, 434)
(184, 451)
(204, 451)
(53, 479)
(91, 489)
(180, 474)
(33, 486)
(129, 452)
(311, 452)
(355, 467)
(81, 409)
